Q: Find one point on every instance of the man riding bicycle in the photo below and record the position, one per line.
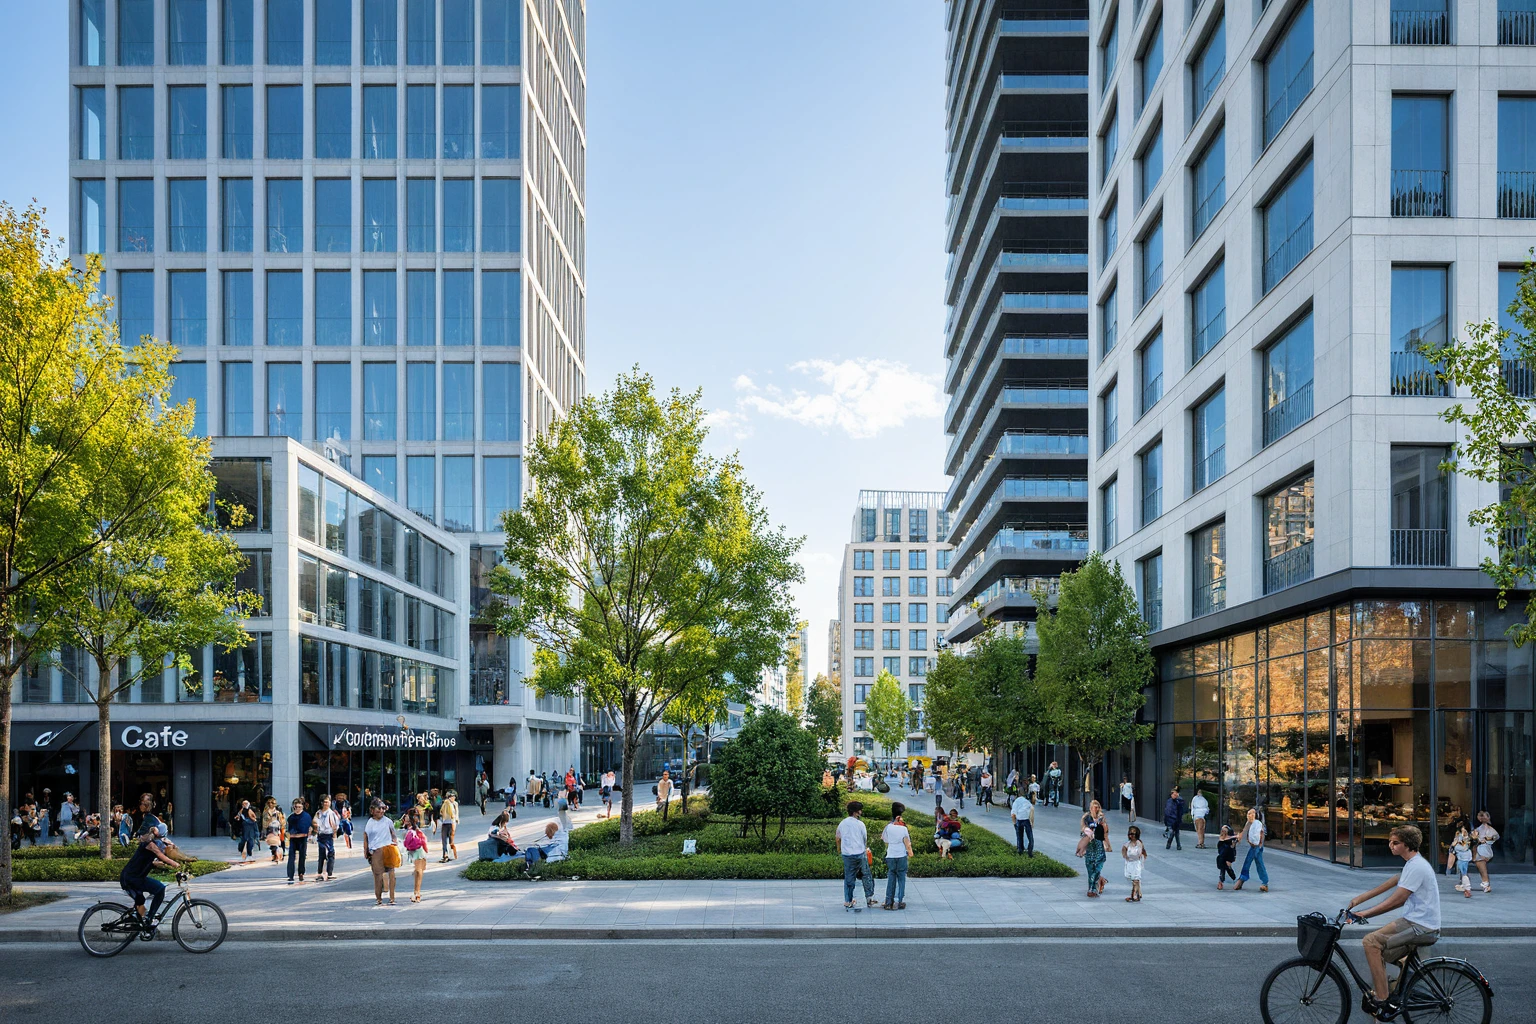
(1414, 887)
(135, 879)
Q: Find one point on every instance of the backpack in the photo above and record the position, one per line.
(414, 840)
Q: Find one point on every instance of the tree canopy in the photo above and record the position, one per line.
(824, 713)
(985, 698)
(887, 713)
(770, 769)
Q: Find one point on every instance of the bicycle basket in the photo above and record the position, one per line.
(1315, 937)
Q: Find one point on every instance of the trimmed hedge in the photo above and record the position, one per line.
(84, 864)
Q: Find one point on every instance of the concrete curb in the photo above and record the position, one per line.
(479, 933)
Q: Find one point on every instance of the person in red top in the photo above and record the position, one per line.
(572, 794)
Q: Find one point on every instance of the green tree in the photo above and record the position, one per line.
(986, 698)
(824, 713)
(641, 569)
(700, 709)
(771, 769)
(947, 696)
(1493, 366)
(887, 713)
(1094, 660)
(73, 417)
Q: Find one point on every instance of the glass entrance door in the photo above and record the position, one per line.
(1455, 777)
(1508, 776)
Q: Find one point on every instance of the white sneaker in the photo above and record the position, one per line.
(1487, 888)
(1460, 886)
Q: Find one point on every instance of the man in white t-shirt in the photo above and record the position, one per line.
(1023, 814)
(853, 844)
(1417, 889)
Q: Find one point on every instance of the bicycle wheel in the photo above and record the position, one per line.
(1446, 992)
(1300, 992)
(199, 926)
(102, 930)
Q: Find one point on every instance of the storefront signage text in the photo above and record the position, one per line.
(134, 737)
(430, 739)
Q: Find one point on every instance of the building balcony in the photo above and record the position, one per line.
(1009, 598)
(1288, 568)
(1209, 206)
(1420, 547)
(1043, 259)
(1011, 346)
(979, 283)
(1519, 377)
(1517, 195)
(1288, 414)
(1211, 468)
(1013, 491)
(1043, 81)
(1284, 257)
(1517, 23)
(1152, 609)
(1044, 135)
(1414, 375)
(1052, 543)
(1209, 597)
(1026, 446)
(1282, 106)
(1420, 23)
(1042, 23)
(1420, 193)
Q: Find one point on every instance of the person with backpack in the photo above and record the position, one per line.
(415, 844)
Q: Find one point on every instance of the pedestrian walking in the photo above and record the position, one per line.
(300, 823)
(1173, 820)
(424, 810)
(1486, 835)
(938, 795)
(985, 799)
(510, 793)
(1199, 809)
(1096, 815)
(1023, 814)
(381, 851)
(450, 812)
(1053, 783)
(272, 827)
(1254, 833)
(1462, 843)
(1090, 847)
(69, 814)
(898, 854)
(1127, 799)
(343, 808)
(415, 844)
(663, 790)
(1033, 789)
(606, 792)
(853, 845)
(1135, 854)
(247, 829)
(1226, 856)
(327, 823)
(482, 791)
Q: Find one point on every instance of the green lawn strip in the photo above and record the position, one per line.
(804, 851)
(27, 900)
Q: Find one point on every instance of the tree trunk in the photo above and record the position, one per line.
(104, 765)
(627, 801)
(684, 779)
(5, 789)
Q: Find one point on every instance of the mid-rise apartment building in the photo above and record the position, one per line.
(893, 598)
(1289, 198)
(1016, 339)
(361, 223)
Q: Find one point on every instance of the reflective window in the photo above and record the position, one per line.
(238, 25)
(1288, 72)
(1209, 308)
(420, 122)
(93, 33)
(135, 305)
(93, 215)
(420, 402)
(135, 215)
(1109, 143)
(188, 209)
(420, 486)
(333, 307)
(93, 123)
(333, 122)
(285, 32)
(239, 397)
(1152, 260)
(135, 32)
(285, 215)
(239, 308)
(1109, 534)
(379, 217)
(499, 223)
(338, 501)
(381, 45)
(285, 307)
(1209, 547)
(458, 402)
(458, 307)
(1288, 381)
(459, 492)
(1288, 226)
(1109, 416)
(1149, 367)
(1421, 156)
(380, 128)
(420, 307)
(379, 304)
(420, 32)
(285, 122)
(458, 122)
(420, 214)
(333, 215)
(458, 215)
(1109, 321)
(458, 32)
(1419, 320)
(499, 304)
(186, 32)
(500, 397)
(502, 488)
(333, 401)
(1211, 439)
(135, 122)
(1208, 66)
(379, 473)
(1151, 66)
(189, 308)
(1152, 483)
(499, 43)
(285, 400)
(333, 31)
(379, 403)
(1210, 179)
(236, 233)
(498, 122)
(1149, 168)
(237, 125)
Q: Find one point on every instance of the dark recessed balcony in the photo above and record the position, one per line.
(1421, 193)
(1420, 23)
(1420, 547)
(1517, 194)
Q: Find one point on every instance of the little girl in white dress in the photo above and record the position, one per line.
(1135, 854)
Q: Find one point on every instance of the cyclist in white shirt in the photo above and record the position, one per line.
(1416, 888)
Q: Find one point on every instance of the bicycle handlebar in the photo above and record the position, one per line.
(1346, 916)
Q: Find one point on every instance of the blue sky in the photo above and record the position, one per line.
(765, 210)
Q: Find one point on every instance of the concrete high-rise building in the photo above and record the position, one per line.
(895, 589)
(1288, 199)
(361, 223)
(1017, 286)
(835, 647)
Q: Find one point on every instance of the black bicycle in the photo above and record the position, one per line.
(1310, 989)
(198, 927)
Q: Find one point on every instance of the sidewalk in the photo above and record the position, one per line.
(1180, 898)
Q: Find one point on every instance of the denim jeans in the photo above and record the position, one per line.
(325, 854)
(1021, 829)
(853, 864)
(1255, 858)
(447, 836)
(895, 880)
(298, 850)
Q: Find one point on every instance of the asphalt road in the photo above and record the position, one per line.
(1080, 980)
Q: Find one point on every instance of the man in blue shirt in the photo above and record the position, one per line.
(299, 824)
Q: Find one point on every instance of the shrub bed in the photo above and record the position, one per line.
(804, 851)
(84, 864)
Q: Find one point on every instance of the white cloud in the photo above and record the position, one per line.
(860, 397)
(728, 421)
